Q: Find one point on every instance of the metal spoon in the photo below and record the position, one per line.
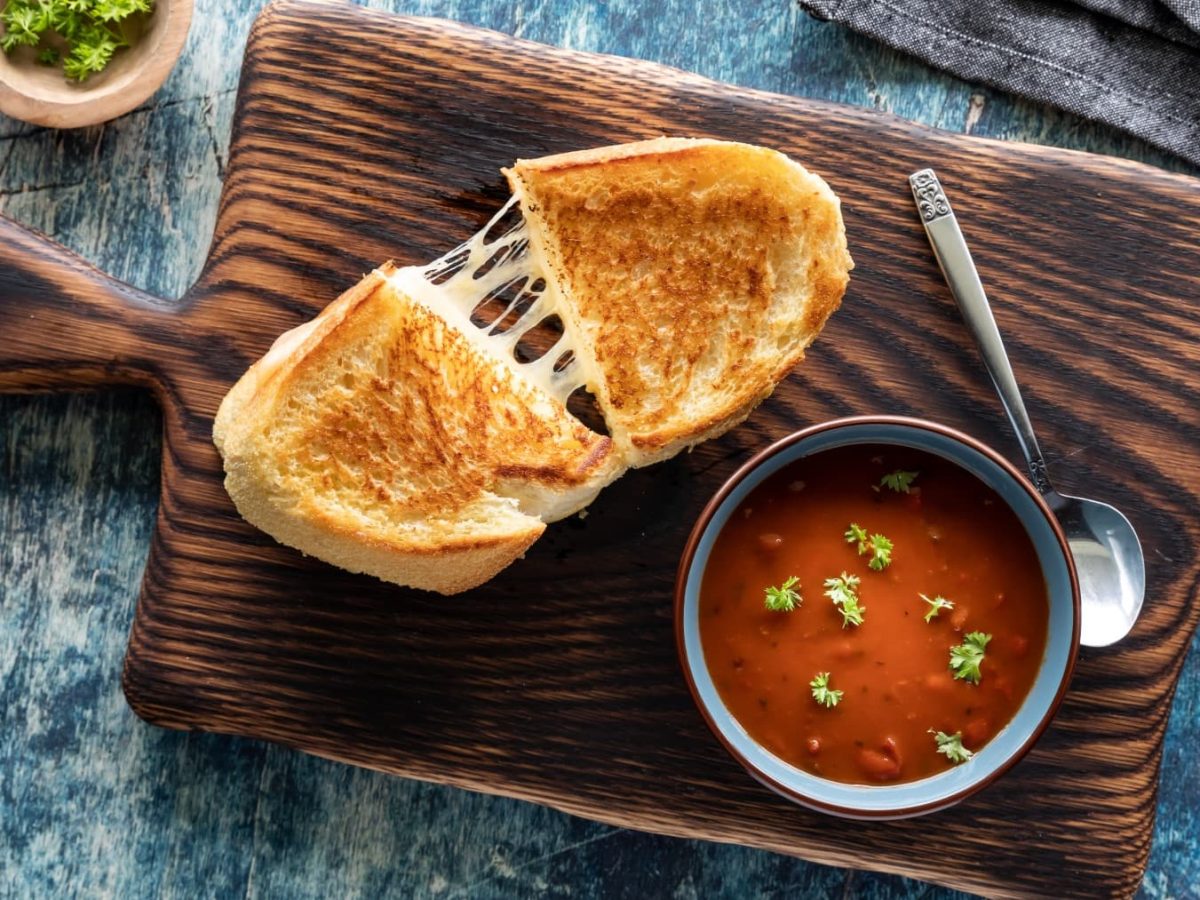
(1108, 556)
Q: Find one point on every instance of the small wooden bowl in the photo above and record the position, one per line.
(42, 94)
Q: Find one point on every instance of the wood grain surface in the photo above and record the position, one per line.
(558, 682)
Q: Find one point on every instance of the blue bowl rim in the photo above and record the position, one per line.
(706, 516)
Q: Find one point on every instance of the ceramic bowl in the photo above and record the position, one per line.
(43, 96)
(1007, 747)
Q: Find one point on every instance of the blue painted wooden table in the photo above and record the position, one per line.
(94, 802)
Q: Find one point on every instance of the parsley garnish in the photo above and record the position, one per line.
(936, 605)
(951, 745)
(843, 591)
(881, 553)
(821, 692)
(877, 545)
(93, 30)
(856, 534)
(783, 598)
(966, 657)
(899, 481)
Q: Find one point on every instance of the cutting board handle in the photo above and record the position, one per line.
(65, 324)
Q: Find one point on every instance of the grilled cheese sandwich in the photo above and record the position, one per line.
(397, 435)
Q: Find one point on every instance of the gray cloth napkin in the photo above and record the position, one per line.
(1134, 64)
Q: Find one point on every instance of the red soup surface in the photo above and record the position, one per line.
(952, 539)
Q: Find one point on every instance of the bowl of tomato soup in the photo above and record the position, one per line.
(877, 616)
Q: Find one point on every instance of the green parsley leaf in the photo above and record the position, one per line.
(856, 534)
(90, 54)
(966, 657)
(843, 591)
(821, 692)
(877, 545)
(899, 481)
(112, 10)
(783, 598)
(43, 19)
(881, 553)
(951, 745)
(48, 56)
(20, 27)
(67, 21)
(936, 605)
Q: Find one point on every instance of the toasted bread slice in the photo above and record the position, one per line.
(692, 274)
(382, 438)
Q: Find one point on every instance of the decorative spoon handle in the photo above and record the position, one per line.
(959, 270)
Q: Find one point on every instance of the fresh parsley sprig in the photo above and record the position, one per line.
(881, 553)
(22, 26)
(784, 598)
(899, 481)
(936, 605)
(93, 30)
(822, 693)
(966, 657)
(843, 591)
(951, 746)
(857, 535)
(877, 545)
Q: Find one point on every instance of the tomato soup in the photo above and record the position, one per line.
(905, 622)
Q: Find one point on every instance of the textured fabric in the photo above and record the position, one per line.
(1151, 16)
(1134, 64)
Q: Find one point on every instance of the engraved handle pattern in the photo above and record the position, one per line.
(927, 191)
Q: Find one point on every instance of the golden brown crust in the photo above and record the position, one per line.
(379, 438)
(696, 272)
(445, 566)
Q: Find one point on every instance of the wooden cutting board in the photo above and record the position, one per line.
(361, 136)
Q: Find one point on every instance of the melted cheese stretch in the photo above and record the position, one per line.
(454, 285)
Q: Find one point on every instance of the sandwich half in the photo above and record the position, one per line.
(693, 274)
(404, 435)
(380, 438)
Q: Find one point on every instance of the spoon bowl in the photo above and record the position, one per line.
(1109, 563)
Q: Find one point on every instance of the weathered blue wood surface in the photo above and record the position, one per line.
(92, 801)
